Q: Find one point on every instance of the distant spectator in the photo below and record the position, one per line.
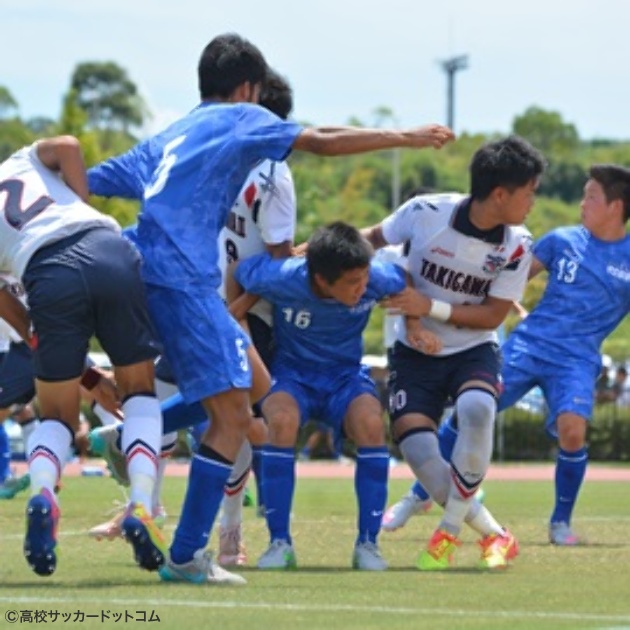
(613, 391)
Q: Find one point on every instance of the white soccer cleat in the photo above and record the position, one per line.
(398, 515)
(231, 547)
(200, 570)
(112, 529)
(280, 555)
(367, 557)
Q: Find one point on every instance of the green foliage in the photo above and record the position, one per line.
(7, 102)
(108, 96)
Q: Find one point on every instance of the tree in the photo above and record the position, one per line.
(110, 99)
(7, 102)
(546, 131)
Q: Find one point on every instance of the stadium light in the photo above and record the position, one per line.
(451, 67)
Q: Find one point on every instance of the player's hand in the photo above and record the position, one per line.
(409, 302)
(300, 250)
(434, 135)
(422, 339)
(106, 394)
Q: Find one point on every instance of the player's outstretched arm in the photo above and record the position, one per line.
(535, 268)
(349, 140)
(63, 154)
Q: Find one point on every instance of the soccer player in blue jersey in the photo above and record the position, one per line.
(557, 347)
(321, 305)
(188, 177)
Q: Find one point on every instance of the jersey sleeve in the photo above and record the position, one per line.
(511, 281)
(386, 279)
(399, 226)
(277, 212)
(544, 248)
(265, 276)
(119, 176)
(264, 134)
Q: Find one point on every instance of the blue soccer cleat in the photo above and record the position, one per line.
(42, 518)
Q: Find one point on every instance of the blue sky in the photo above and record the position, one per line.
(344, 57)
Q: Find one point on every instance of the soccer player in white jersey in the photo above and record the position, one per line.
(469, 256)
(81, 278)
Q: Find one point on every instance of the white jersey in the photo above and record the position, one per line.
(264, 214)
(393, 322)
(36, 209)
(450, 260)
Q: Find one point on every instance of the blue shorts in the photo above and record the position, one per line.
(205, 347)
(83, 285)
(423, 384)
(322, 396)
(17, 380)
(567, 388)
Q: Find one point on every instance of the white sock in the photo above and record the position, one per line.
(168, 446)
(106, 418)
(232, 513)
(141, 441)
(28, 428)
(50, 442)
(481, 520)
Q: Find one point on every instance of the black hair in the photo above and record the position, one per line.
(226, 62)
(276, 94)
(335, 249)
(509, 163)
(615, 181)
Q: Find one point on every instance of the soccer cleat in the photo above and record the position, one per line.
(497, 550)
(367, 557)
(42, 518)
(112, 529)
(439, 553)
(231, 548)
(104, 442)
(561, 534)
(13, 485)
(280, 555)
(200, 570)
(398, 515)
(140, 530)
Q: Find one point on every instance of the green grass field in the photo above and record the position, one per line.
(586, 587)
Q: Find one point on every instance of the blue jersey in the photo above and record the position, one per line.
(313, 333)
(587, 296)
(188, 177)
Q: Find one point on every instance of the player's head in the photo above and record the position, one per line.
(276, 94)
(231, 69)
(338, 260)
(606, 198)
(505, 174)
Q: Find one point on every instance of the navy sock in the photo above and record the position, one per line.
(278, 468)
(419, 491)
(257, 469)
(178, 415)
(570, 470)
(370, 486)
(209, 472)
(447, 434)
(5, 454)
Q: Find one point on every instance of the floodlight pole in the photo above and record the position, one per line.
(451, 67)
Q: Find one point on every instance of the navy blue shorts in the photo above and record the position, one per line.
(83, 285)
(17, 381)
(419, 383)
(262, 338)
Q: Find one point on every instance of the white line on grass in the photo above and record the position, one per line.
(387, 610)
